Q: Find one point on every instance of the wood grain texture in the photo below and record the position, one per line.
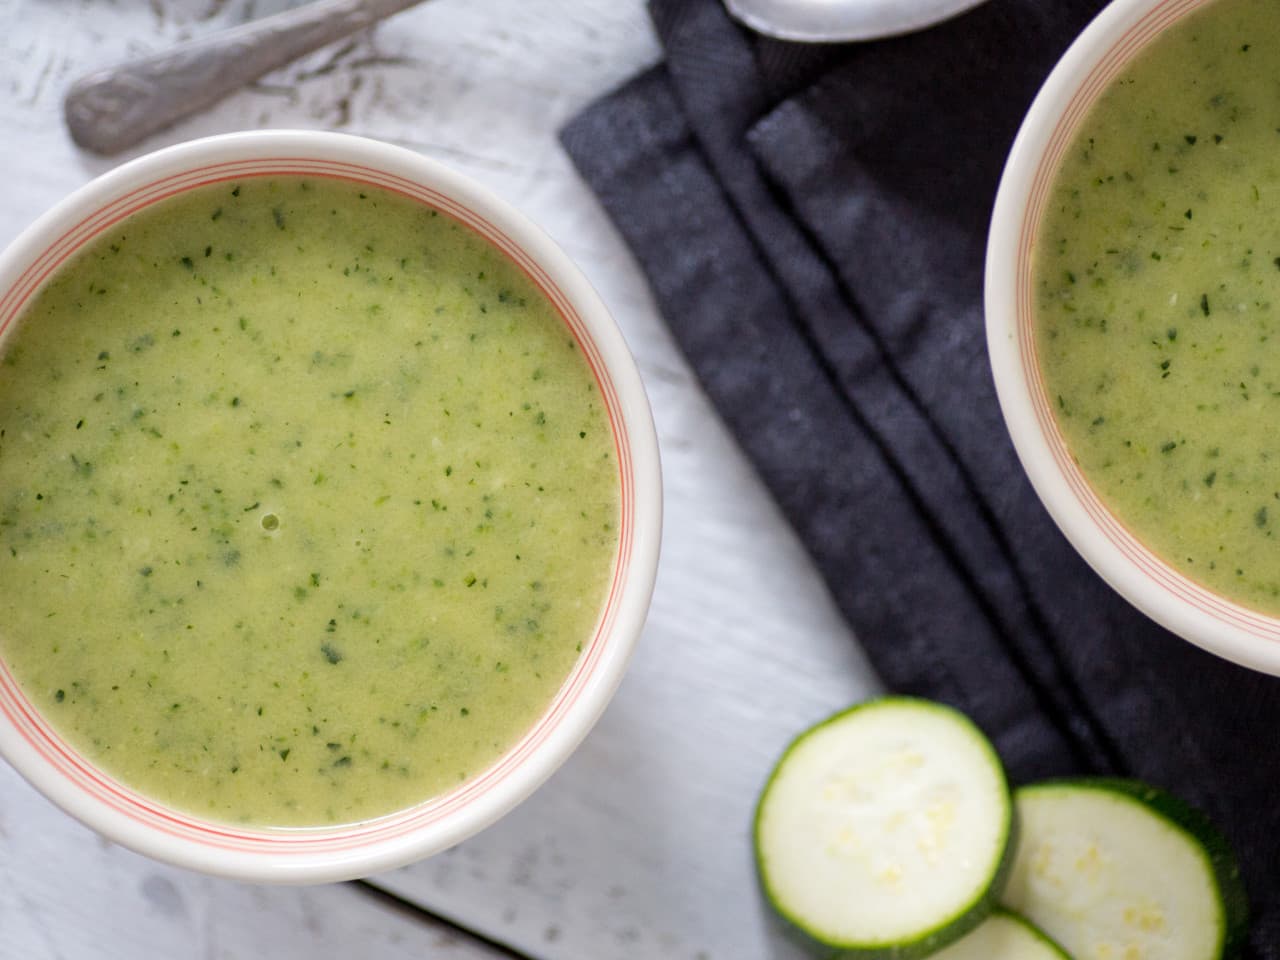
(639, 847)
(67, 893)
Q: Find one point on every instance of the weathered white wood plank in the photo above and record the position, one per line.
(66, 893)
(639, 848)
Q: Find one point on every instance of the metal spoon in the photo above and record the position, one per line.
(113, 109)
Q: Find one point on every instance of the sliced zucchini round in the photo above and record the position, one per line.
(885, 830)
(1003, 936)
(1117, 868)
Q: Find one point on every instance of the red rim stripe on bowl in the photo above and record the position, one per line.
(18, 710)
(1112, 63)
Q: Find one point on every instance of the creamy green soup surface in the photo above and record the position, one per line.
(1157, 282)
(308, 502)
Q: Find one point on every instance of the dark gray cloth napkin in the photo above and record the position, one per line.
(812, 221)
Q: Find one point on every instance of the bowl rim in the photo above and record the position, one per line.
(1187, 608)
(326, 854)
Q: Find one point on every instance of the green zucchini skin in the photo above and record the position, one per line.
(1046, 943)
(949, 929)
(1224, 868)
(1222, 860)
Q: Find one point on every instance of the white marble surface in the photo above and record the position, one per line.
(639, 848)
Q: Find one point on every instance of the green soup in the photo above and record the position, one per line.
(1157, 277)
(308, 502)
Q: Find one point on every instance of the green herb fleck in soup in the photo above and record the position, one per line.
(308, 502)
(1157, 277)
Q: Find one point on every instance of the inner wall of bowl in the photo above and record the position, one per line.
(101, 789)
(1160, 574)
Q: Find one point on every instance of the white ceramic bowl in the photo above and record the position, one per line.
(1166, 595)
(326, 854)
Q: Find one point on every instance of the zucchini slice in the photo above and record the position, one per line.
(1003, 936)
(885, 830)
(1117, 868)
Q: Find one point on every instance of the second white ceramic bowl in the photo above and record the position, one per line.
(1205, 618)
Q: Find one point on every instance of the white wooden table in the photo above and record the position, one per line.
(639, 848)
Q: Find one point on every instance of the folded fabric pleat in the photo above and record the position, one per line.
(813, 221)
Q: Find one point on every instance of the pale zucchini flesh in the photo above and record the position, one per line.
(886, 829)
(1003, 936)
(1117, 869)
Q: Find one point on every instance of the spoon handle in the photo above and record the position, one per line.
(113, 109)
